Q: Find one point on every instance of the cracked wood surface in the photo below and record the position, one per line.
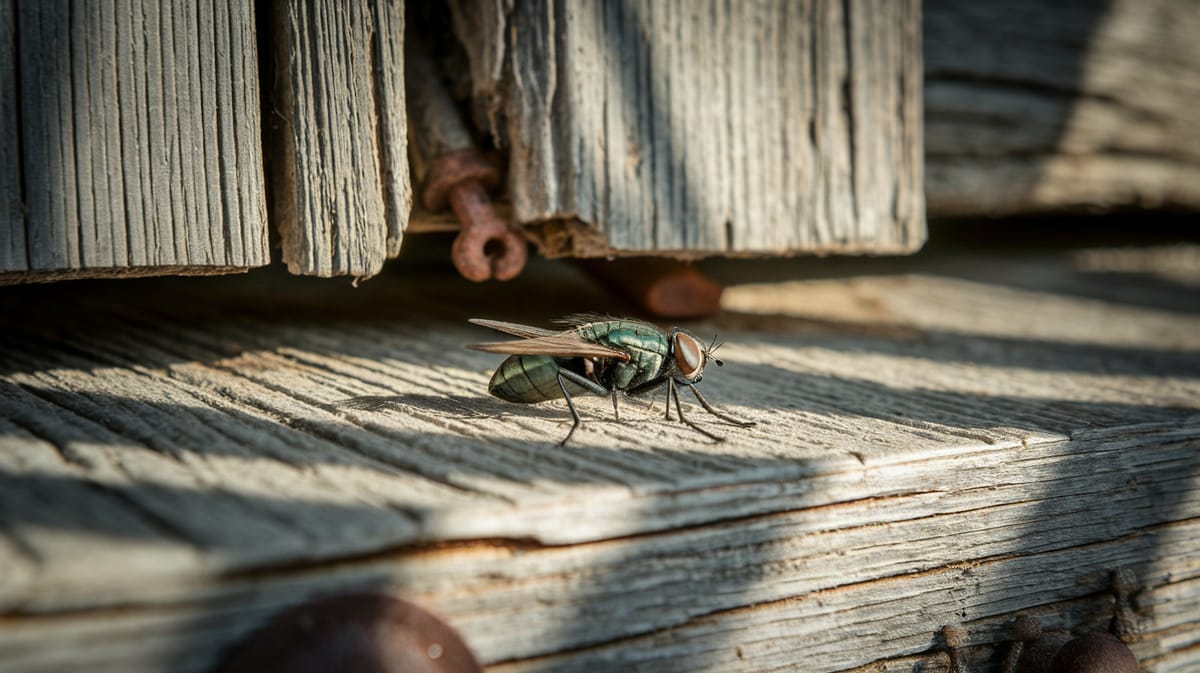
(703, 128)
(130, 140)
(338, 150)
(941, 443)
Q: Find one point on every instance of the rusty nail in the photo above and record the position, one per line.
(1022, 630)
(367, 633)
(486, 247)
(458, 174)
(955, 638)
(663, 287)
(1125, 621)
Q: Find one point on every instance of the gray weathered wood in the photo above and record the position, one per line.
(706, 128)
(1033, 106)
(342, 190)
(139, 149)
(932, 447)
(12, 236)
(392, 111)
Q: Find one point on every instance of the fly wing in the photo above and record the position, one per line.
(513, 328)
(557, 344)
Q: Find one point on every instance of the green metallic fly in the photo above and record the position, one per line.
(603, 356)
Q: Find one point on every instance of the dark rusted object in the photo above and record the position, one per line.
(456, 173)
(1035, 650)
(1095, 652)
(358, 633)
(1023, 630)
(954, 637)
(1125, 621)
(1035, 654)
(666, 288)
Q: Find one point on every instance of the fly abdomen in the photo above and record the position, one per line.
(529, 378)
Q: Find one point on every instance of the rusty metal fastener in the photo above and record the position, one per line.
(1125, 620)
(1095, 652)
(365, 633)
(1033, 647)
(1023, 630)
(456, 173)
(663, 287)
(954, 637)
(1038, 650)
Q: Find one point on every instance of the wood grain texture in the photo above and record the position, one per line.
(391, 109)
(932, 447)
(696, 129)
(139, 143)
(12, 235)
(1076, 106)
(342, 193)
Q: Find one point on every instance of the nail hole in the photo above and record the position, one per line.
(434, 651)
(493, 248)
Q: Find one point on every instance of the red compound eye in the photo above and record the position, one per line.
(689, 355)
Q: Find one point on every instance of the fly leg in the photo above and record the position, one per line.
(712, 410)
(565, 375)
(673, 391)
(616, 414)
(576, 420)
(651, 385)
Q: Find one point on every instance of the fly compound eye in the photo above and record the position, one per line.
(689, 356)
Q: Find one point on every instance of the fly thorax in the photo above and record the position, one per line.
(689, 355)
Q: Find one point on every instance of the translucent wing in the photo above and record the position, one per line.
(512, 328)
(567, 344)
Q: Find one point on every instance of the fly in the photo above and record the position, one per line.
(602, 357)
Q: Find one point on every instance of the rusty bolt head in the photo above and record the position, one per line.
(1026, 629)
(1095, 652)
(453, 169)
(1124, 582)
(363, 633)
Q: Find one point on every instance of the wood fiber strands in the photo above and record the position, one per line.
(129, 139)
(342, 192)
(700, 128)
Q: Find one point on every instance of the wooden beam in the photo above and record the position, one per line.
(13, 254)
(932, 446)
(694, 129)
(342, 194)
(139, 144)
(1033, 107)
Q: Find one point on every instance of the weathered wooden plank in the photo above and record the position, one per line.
(930, 449)
(244, 132)
(128, 163)
(706, 128)
(13, 254)
(76, 518)
(1073, 106)
(392, 110)
(801, 571)
(215, 488)
(50, 209)
(848, 626)
(342, 189)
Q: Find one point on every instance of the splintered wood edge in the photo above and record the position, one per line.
(55, 275)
